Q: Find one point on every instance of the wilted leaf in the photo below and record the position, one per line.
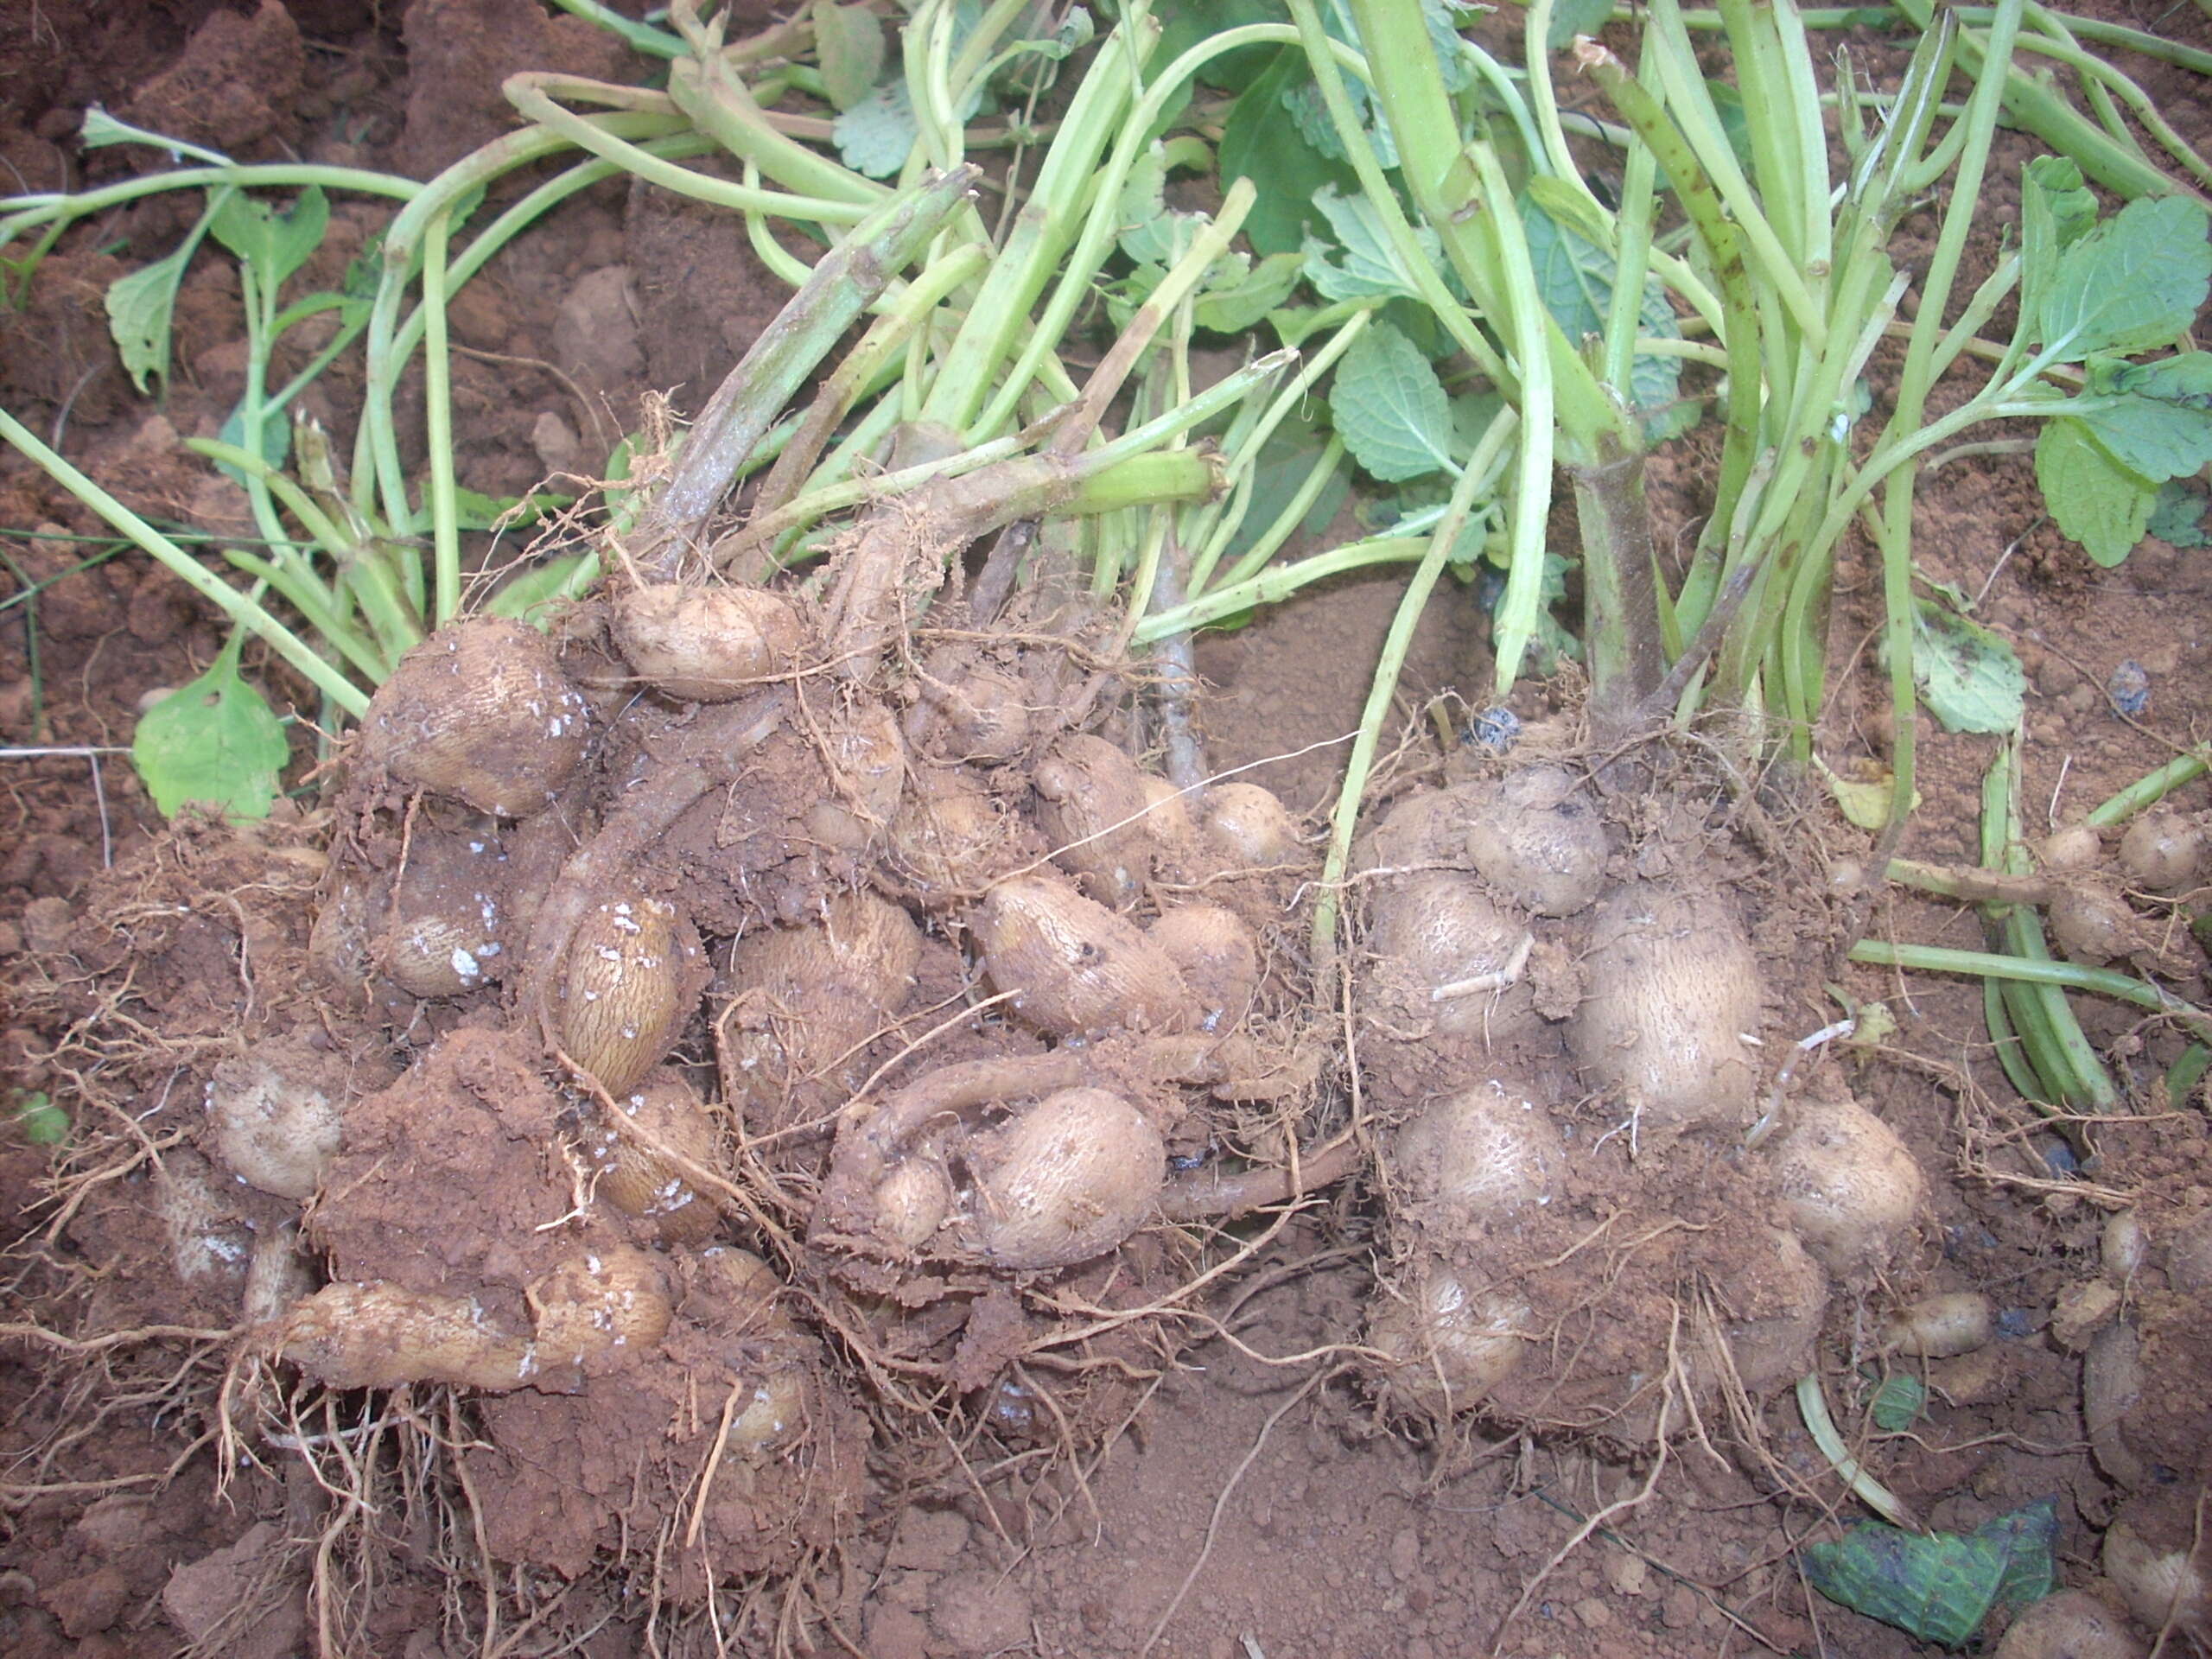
(1941, 1587)
(1969, 678)
(2177, 516)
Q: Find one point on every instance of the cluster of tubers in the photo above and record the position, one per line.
(1571, 1049)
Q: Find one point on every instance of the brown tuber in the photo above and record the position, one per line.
(634, 974)
(706, 645)
(1218, 957)
(1091, 803)
(480, 712)
(1449, 957)
(2162, 852)
(1448, 1346)
(1849, 1186)
(1674, 991)
(1249, 824)
(1065, 1180)
(665, 1111)
(1075, 968)
(378, 1336)
(2070, 1625)
(1469, 1162)
(1535, 837)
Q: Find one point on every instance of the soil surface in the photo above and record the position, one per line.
(1253, 1500)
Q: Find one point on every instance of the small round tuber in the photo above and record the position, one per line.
(1251, 825)
(1066, 1179)
(2068, 1626)
(1536, 837)
(2069, 850)
(1449, 1346)
(2162, 852)
(1218, 957)
(638, 1181)
(1468, 1162)
(1849, 1186)
(706, 645)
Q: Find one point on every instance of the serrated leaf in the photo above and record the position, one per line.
(849, 43)
(2178, 516)
(1287, 173)
(1969, 677)
(1941, 1587)
(2097, 501)
(1371, 264)
(1232, 308)
(2134, 281)
(139, 309)
(2055, 211)
(1389, 407)
(217, 741)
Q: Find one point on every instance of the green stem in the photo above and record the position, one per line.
(1323, 939)
(437, 403)
(2150, 790)
(845, 280)
(233, 604)
(2103, 982)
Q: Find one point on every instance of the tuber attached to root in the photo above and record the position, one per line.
(1673, 992)
(2162, 852)
(1448, 1346)
(1849, 1186)
(1214, 951)
(804, 1002)
(706, 645)
(378, 1336)
(662, 1112)
(481, 712)
(2070, 1625)
(1447, 956)
(635, 973)
(1469, 1162)
(1941, 1326)
(1536, 837)
(1074, 968)
(1251, 826)
(2165, 1582)
(1091, 804)
(1059, 1182)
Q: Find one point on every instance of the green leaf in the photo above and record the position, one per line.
(139, 308)
(1283, 464)
(100, 130)
(2100, 503)
(2134, 281)
(1574, 17)
(2178, 516)
(1286, 173)
(1233, 309)
(2157, 417)
(1969, 677)
(1899, 1404)
(1193, 21)
(1389, 407)
(848, 41)
(39, 1120)
(527, 597)
(276, 445)
(275, 244)
(875, 136)
(2056, 209)
(1371, 264)
(1574, 276)
(1941, 1587)
(217, 741)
